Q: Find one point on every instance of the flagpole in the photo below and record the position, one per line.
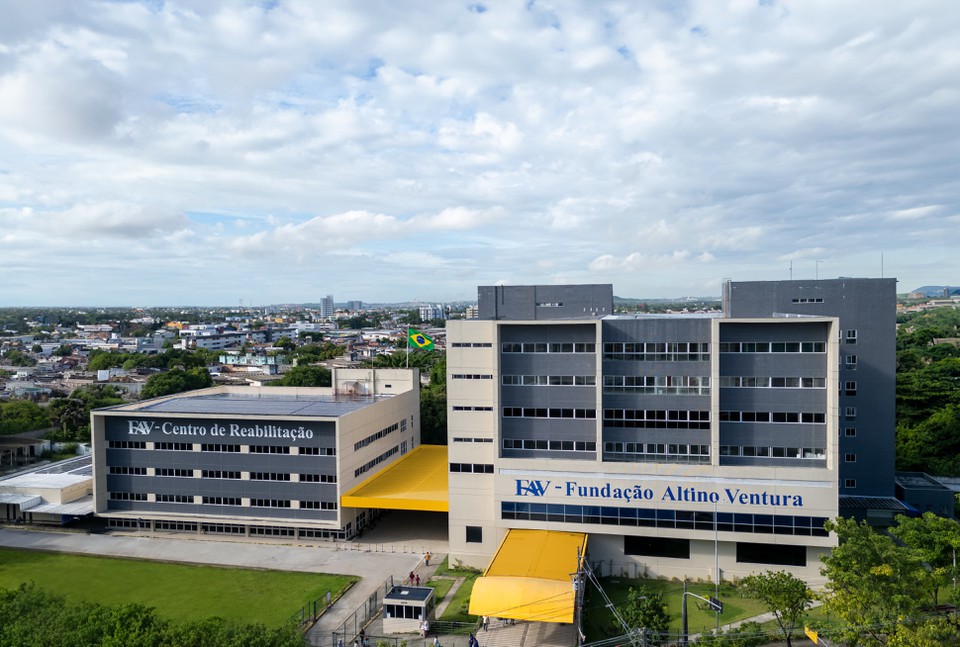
(408, 346)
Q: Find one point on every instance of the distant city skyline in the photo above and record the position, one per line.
(279, 151)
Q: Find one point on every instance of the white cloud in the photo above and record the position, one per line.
(575, 141)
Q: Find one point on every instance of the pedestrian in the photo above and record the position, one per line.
(423, 629)
(484, 623)
(426, 559)
(471, 641)
(436, 641)
(418, 579)
(411, 577)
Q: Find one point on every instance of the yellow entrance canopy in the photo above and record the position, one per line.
(416, 481)
(530, 577)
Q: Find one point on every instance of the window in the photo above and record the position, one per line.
(318, 451)
(174, 498)
(174, 471)
(776, 554)
(850, 484)
(851, 362)
(318, 478)
(850, 388)
(657, 547)
(474, 535)
(850, 458)
(233, 449)
(176, 447)
(222, 500)
(851, 336)
(269, 476)
(850, 413)
(318, 505)
(849, 431)
(220, 474)
(136, 471)
(127, 444)
(269, 449)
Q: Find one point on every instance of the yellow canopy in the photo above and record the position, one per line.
(530, 577)
(416, 481)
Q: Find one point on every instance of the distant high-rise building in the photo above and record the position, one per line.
(355, 306)
(472, 312)
(326, 306)
(433, 311)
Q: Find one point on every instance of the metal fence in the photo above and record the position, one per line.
(350, 628)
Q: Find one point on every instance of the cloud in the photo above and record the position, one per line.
(576, 141)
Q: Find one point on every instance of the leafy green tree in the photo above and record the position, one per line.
(645, 609)
(784, 594)
(872, 583)
(933, 445)
(36, 348)
(19, 358)
(305, 376)
(176, 381)
(285, 343)
(935, 540)
(64, 350)
(22, 415)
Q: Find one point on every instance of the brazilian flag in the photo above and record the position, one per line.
(417, 339)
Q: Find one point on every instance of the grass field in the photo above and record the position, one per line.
(735, 607)
(176, 591)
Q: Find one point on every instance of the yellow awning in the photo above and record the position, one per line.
(416, 481)
(530, 577)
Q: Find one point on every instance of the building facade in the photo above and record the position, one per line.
(270, 461)
(685, 446)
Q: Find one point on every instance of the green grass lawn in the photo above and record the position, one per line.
(176, 591)
(456, 610)
(598, 618)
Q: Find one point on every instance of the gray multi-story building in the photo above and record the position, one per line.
(681, 445)
(253, 461)
(327, 307)
(866, 338)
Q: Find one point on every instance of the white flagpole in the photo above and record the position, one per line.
(408, 346)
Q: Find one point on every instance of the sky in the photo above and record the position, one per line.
(221, 153)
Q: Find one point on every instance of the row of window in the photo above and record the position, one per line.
(217, 500)
(657, 384)
(544, 347)
(790, 417)
(816, 453)
(471, 376)
(656, 419)
(540, 412)
(229, 529)
(471, 344)
(654, 518)
(221, 474)
(269, 449)
(376, 461)
(221, 448)
(741, 382)
(468, 468)
(772, 347)
(550, 445)
(548, 380)
(375, 437)
(473, 440)
(655, 449)
(657, 351)
(458, 407)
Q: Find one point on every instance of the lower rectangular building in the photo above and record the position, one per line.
(268, 461)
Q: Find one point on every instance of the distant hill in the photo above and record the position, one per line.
(938, 290)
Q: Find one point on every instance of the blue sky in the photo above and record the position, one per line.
(156, 153)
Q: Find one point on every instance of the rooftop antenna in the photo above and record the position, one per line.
(881, 265)
(818, 269)
(791, 270)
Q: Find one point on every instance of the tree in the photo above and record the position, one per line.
(22, 415)
(935, 541)
(305, 376)
(872, 583)
(646, 609)
(285, 343)
(36, 348)
(176, 381)
(64, 350)
(784, 594)
(19, 358)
